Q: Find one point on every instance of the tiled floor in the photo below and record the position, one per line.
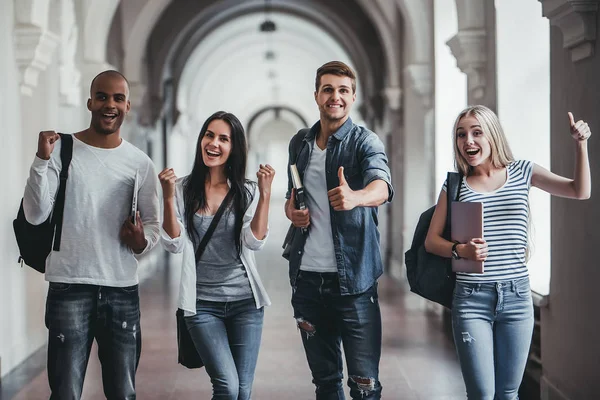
(418, 361)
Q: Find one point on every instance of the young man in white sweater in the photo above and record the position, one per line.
(93, 290)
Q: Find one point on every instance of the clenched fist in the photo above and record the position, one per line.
(265, 175)
(46, 142)
(167, 180)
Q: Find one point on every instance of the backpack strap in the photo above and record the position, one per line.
(298, 143)
(66, 154)
(453, 182)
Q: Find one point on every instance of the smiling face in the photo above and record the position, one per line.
(471, 142)
(216, 144)
(335, 97)
(108, 103)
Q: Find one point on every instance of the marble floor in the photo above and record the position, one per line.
(418, 360)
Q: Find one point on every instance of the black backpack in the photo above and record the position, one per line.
(36, 241)
(296, 144)
(429, 275)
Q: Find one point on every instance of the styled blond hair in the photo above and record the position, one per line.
(501, 155)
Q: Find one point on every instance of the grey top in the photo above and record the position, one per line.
(220, 273)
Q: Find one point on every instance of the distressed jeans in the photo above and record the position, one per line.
(227, 336)
(326, 319)
(493, 326)
(75, 315)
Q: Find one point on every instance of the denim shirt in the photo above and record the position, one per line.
(355, 233)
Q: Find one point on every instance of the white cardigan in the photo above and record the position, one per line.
(250, 244)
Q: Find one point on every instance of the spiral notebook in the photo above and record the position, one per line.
(466, 224)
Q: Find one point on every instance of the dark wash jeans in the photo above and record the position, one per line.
(227, 336)
(326, 319)
(78, 313)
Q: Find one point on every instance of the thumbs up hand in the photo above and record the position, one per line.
(342, 198)
(580, 130)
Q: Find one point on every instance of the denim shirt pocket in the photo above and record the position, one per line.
(353, 177)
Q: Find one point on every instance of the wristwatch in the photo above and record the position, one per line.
(454, 252)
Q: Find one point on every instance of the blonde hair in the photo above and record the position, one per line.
(501, 154)
(492, 130)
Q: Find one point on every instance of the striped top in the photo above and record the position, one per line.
(505, 222)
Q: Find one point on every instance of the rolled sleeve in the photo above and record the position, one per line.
(176, 245)
(173, 245)
(248, 239)
(374, 163)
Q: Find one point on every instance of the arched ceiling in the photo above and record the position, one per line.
(185, 24)
(228, 69)
(380, 37)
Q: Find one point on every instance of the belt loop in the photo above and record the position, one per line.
(513, 285)
(478, 287)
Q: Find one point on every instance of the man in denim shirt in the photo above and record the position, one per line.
(335, 263)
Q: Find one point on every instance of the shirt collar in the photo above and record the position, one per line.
(340, 134)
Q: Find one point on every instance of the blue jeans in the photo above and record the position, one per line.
(227, 336)
(493, 326)
(75, 315)
(326, 319)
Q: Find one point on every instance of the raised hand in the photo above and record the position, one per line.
(299, 218)
(133, 234)
(46, 142)
(579, 130)
(265, 175)
(167, 180)
(342, 198)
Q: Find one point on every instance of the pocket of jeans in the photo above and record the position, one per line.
(59, 287)
(374, 292)
(130, 289)
(523, 289)
(463, 291)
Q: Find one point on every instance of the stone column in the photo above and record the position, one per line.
(418, 190)
(393, 127)
(474, 47)
(34, 42)
(569, 322)
(577, 22)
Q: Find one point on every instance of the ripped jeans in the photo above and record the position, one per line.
(327, 319)
(78, 313)
(493, 326)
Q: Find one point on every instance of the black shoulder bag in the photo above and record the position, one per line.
(37, 241)
(187, 355)
(429, 275)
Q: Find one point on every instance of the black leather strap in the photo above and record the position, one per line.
(213, 225)
(453, 182)
(66, 154)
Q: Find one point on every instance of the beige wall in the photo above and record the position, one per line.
(570, 339)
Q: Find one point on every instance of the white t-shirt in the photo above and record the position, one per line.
(319, 253)
(97, 201)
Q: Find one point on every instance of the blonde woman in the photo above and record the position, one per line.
(492, 314)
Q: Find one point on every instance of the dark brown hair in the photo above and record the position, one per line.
(335, 68)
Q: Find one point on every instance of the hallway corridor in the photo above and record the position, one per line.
(418, 359)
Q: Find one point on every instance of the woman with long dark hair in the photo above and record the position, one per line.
(221, 293)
